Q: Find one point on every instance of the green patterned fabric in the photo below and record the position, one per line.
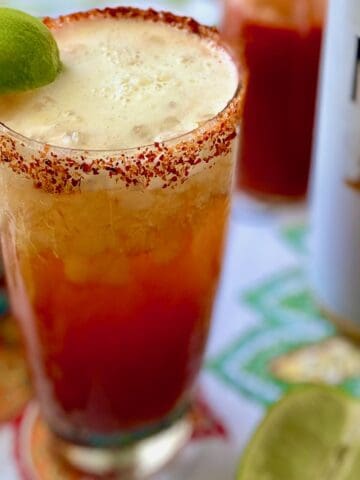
(293, 342)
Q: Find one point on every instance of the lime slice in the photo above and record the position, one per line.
(29, 56)
(312, 434)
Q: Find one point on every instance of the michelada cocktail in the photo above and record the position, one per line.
(114, 190)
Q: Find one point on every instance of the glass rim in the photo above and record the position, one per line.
(302, 13)
(164, 163)
(176, 21)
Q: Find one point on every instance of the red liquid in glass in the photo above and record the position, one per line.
(279, 111)
(115, 346)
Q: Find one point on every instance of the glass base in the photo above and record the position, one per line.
(272, 197)
(135, 462)
(249, 209)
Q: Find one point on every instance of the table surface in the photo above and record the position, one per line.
(267, 335)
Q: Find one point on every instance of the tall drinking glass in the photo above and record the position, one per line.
(279, 42)
(113, 259)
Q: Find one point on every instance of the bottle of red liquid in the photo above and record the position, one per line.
(279, 41)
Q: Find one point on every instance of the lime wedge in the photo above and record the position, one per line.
(311, 434)
(29, 56)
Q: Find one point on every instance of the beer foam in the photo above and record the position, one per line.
(126, 82)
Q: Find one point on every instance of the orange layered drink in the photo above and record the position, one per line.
(115, 184)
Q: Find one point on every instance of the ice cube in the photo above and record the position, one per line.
(155, 39)
(71, 139)
(187, 59)
(170, 122)
(143, 132)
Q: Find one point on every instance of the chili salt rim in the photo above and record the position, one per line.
(56, 169)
